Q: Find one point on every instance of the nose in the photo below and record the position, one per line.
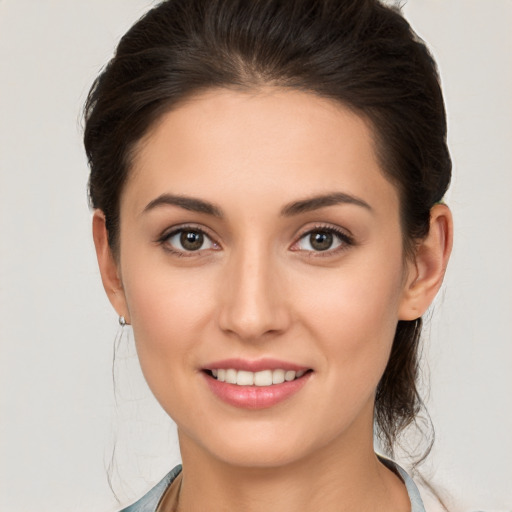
(253, 302)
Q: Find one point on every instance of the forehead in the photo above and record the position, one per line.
(268, 144)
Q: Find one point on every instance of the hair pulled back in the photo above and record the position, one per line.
(357, 52)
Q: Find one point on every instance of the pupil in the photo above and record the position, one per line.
(321, 240)
(191, 240)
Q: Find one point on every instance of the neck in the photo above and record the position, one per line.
(332, 479)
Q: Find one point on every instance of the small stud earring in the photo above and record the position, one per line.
(122, 321)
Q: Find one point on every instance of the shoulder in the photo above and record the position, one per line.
(149, 502)
(414, 494)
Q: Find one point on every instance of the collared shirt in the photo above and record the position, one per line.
(150, 501)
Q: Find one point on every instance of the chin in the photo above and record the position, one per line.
(259, 457)
(259, 445)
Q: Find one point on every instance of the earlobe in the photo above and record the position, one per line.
(427, 271)
(109, 268)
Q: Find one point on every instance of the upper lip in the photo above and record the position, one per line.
(254, 365)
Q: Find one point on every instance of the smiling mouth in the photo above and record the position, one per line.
(261, 378)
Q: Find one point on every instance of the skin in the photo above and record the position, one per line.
(257, 288)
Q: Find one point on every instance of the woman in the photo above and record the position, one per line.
(267, 180)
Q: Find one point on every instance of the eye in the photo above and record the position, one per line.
(186, 240)
(322, 240)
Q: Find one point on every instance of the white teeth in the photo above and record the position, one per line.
(244, 378)
(231, 376)
(289, 375)
(262, 378)
(277, 376)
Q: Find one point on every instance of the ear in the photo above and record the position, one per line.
(109, 267)
(426, 272)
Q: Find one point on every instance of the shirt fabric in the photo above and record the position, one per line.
(151, 500)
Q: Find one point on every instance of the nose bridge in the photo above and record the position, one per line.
(252, 305)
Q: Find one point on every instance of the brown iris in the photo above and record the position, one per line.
(191, 240)
(321, 240)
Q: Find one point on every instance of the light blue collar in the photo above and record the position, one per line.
(149, 502)
(412, 490)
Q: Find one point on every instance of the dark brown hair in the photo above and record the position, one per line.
(360, 53)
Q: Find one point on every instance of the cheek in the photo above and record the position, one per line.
(167, 310)
(167, 316)
(354, 315)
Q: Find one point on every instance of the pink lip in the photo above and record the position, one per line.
(254, 366)
(255, 397)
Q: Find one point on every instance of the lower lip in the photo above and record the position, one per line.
(255, 397)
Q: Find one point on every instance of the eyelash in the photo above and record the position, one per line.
(164, 240)
(345, 240)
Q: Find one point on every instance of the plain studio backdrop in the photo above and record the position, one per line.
(59, 419)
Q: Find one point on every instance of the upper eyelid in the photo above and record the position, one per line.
(168, 232)
(163, 240)
(346, 239)
(343, 233)
(337, 230)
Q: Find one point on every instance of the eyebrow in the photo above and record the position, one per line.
(291, 209)
(188, 203)
(317, 202)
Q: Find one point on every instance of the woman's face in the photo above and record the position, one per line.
(259, 238)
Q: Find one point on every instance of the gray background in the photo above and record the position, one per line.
(59, 423)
